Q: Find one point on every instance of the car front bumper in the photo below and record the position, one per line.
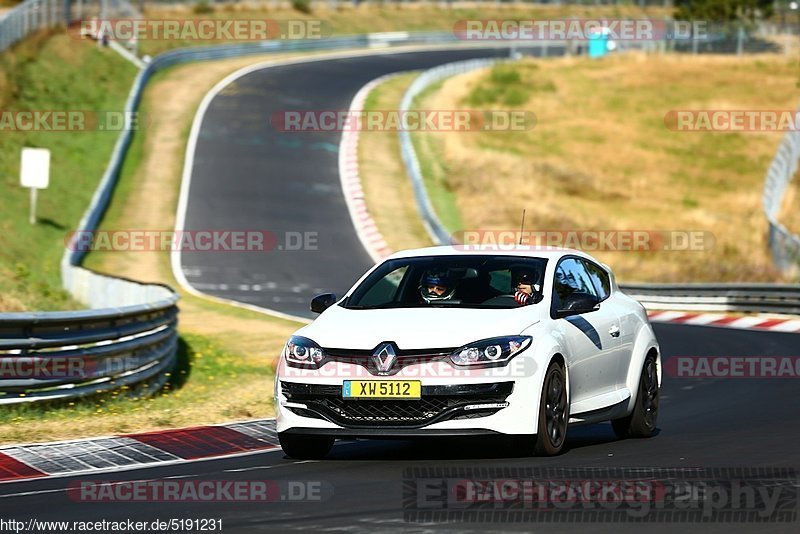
(488, 401)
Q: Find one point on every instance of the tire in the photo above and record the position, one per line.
(553, 412)
(641, 423)
(305, 447)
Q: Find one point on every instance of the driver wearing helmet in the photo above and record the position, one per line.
(524, 281)
(436, 287)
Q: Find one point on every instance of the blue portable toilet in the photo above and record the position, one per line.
(598, 43)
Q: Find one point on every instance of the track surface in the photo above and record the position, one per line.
(703, 423)
(249, 176)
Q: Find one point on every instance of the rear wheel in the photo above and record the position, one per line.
(305, 447)
(553, 412)
(641, 423)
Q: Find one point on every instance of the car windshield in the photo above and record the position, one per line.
(467, 281)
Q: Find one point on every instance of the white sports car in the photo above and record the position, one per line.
(441, 341)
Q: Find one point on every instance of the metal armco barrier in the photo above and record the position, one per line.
(759, 298)
(54, 355)
(34, 15)
(436, 230)
(784, 245)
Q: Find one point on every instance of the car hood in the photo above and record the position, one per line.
(416, 328)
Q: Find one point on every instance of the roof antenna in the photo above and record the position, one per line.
(522, 227)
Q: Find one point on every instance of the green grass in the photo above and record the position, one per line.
(42, 74)
(509, 85)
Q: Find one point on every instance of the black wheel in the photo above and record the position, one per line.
(553, 413)
(641, 423)
(304, 447)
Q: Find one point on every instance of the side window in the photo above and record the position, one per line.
(571, 277)
(385, 289)
(599, 277)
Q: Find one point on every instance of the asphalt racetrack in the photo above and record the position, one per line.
(703, 423)
(249, 176)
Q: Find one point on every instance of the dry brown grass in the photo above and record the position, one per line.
(601, 158)
(347, 19)
(384, 179)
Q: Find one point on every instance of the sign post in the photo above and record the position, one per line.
(35, 173)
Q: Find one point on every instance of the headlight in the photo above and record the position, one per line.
(490, 352)
(302, 352)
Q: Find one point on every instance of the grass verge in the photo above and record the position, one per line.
(50, 72)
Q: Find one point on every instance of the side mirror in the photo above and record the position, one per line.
(320, 303)
(576, 304)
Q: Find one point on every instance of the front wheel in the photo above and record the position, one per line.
(641, 423)
(304, 447)
(553, 412)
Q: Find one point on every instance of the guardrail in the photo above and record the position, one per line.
(436, 230)
(34, 15)
(31, 16)
(55, 355)
(784, 245)
(758, 298)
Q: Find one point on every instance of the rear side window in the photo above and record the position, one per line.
(599, 278)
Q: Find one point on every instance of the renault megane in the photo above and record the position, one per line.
(445, 341)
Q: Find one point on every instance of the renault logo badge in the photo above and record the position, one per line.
(384, 357)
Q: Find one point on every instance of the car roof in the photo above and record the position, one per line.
(491, 250)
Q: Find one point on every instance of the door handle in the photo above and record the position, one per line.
(614, 331)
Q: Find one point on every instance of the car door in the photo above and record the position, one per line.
(591, 337)
(625, 324)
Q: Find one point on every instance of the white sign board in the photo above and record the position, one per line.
(35, 169)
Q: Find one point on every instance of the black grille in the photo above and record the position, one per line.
(438, 403)
(380, 411)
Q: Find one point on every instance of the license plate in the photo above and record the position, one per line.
(382, 389)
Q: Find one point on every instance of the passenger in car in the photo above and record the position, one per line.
(524, 284)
